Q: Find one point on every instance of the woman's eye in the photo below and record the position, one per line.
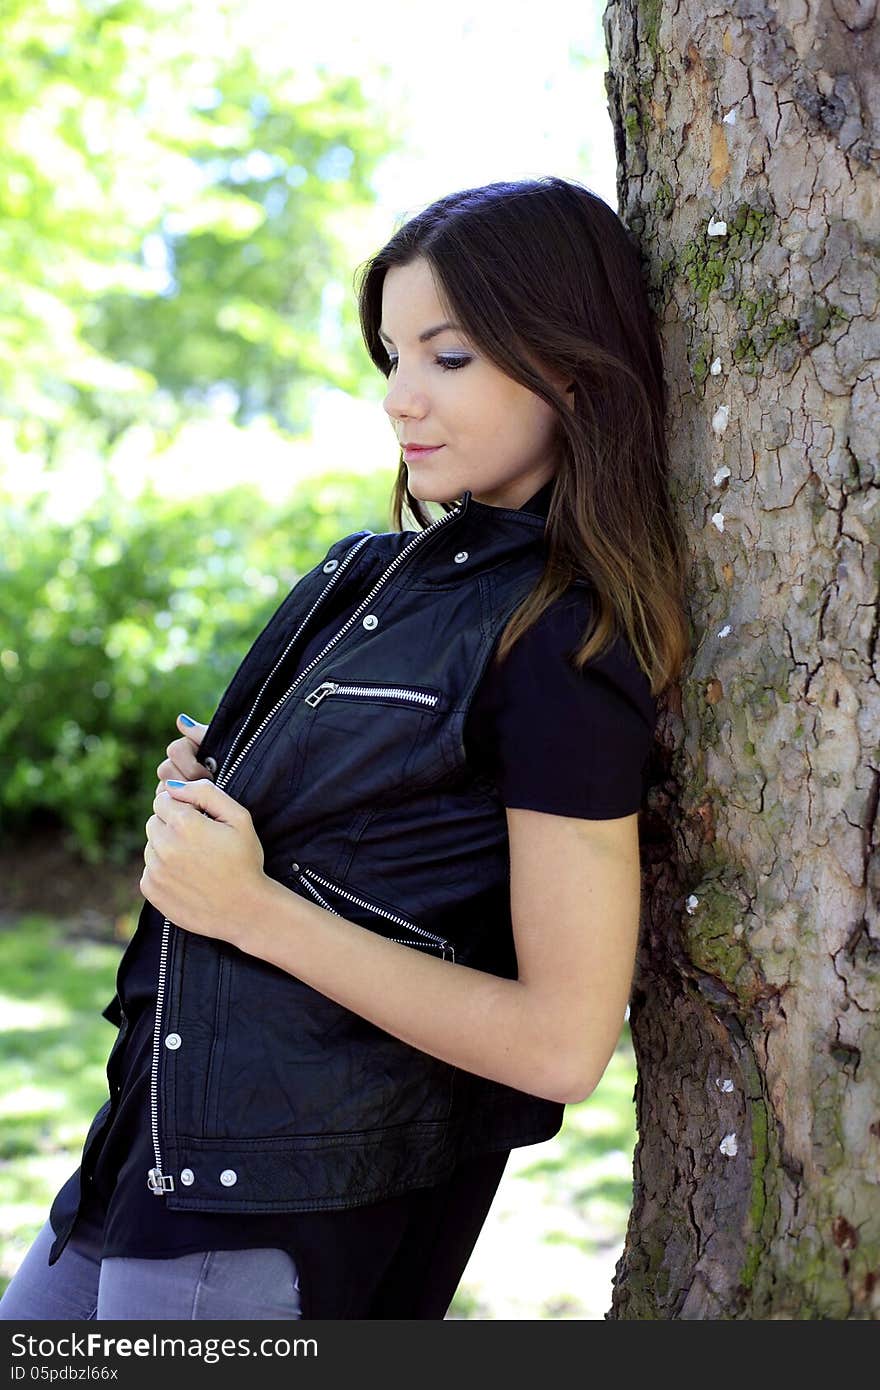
(449, 364)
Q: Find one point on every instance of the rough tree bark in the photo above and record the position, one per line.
(748, 160)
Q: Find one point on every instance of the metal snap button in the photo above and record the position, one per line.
(228, 1177)
(461, 556)
(295, 867)
(370, 621)
(211, 765)
(187, 1176)
(330, 565)
(173, 1041)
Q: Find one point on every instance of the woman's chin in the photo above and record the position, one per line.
(425, 491)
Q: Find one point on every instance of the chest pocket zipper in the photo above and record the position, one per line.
(309, 878)
(405, 694)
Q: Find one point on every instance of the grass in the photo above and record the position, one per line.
(571, 1194)
(53, 1051)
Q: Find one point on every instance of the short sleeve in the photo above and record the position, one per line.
(552, 738)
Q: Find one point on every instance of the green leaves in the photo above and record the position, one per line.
(172, 212)
(110, 627)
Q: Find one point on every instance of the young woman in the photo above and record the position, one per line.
(392, 890)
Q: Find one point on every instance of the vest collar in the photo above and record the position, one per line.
(536, 505)
(483, 514)
(489, 535)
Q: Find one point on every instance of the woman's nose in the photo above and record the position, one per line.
(402, 399)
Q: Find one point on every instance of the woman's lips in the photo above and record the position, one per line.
(410, 453)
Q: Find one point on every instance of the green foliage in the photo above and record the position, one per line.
(174, 219)
(112, 626)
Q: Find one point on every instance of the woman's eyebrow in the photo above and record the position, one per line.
(428, 333)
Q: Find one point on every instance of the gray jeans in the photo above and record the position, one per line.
(210, 1285)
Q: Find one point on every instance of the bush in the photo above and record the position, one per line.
(114, 624)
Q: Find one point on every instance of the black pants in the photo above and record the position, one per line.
(401, 1258)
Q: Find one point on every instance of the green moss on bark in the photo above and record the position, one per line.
(710, 940)
(650, 12)
(708, 262)
(758, 1196)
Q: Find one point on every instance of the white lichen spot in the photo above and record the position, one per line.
(724, 1084)
(716, 228)
(715, 367)
(718, 520)
(725, 631)
(692, 904)
(728, 1145)
(720, 419)
(730, 118)
(738, 929)
(722, 473)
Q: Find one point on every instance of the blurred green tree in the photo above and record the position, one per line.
(173, 221)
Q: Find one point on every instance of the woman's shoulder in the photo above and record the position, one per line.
(559, 738)
(550, 643)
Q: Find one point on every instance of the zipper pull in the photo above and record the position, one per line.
(318, 695)
(159, 1182)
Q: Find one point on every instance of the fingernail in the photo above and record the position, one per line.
(175, 784)
(185, 719)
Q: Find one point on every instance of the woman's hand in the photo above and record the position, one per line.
(204, 860)
(181, 761)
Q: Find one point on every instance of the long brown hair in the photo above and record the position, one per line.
(542, 270)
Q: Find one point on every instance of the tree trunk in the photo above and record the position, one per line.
(748, 159)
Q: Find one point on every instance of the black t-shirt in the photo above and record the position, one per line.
(552, 739)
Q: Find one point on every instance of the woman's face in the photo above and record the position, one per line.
(496, 436)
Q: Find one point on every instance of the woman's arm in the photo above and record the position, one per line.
(575, 888)
(550, 1032)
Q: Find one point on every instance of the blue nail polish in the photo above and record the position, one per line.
(185, 719)
(175, 784)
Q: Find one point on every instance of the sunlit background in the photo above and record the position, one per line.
(189, 187)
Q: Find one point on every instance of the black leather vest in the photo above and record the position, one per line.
(266, 1094)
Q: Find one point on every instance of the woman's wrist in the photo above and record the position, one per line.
(252, 928)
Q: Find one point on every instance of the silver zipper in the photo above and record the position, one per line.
(431, 939)
(375, 692)
(157, 1181)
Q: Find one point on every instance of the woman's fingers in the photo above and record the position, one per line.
(190, 773)
(182, 762)
(192, 728)
(187, 770)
